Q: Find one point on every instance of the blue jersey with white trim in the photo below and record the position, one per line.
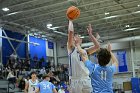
(101, 77)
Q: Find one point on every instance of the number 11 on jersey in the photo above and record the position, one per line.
(103, 75)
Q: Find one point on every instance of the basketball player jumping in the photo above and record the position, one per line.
(79, 74)
(31, 85)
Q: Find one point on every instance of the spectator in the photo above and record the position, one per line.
(11, 77)
(22, 84)
(35, 59)
(41, 61)
(42, 72)
(52, 68)
(61, 90)
(13, 57)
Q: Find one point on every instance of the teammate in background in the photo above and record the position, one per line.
(31, 85)
(79, 74)
(45, 86)
(101, 74)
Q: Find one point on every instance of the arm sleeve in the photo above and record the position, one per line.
(38, 85)
(53, 87)
(89, 65)
(113, 68)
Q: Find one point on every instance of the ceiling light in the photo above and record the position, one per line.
(5, 9)
(127, 26)
(56, 31)
(130, 29)
(43, 36)
(138, 5)
(53, 28)
(49, 25)
(136, 12)
(60, 33)
(107, 13)
(13, 13)
(82, 37)
(110, 17)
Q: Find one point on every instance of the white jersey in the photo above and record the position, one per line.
(77, 68)
(32, 86)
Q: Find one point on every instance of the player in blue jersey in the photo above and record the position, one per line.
(101, 74)
(45, 86)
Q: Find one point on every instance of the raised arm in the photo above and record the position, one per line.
(96, 46)
(113, 58)
(70, 36)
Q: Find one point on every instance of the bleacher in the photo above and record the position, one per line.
(6, 87)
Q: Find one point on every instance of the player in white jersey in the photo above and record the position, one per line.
(31, 85)
(79, 74)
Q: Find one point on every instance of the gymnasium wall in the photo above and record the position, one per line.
(7, 49)
(62, 55)
(121, 46)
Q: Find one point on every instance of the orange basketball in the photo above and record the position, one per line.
(73, 13)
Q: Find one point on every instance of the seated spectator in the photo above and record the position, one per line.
(11, 78)
(35, 59)
(22, 84)
(61, 90)
(42, 72)
(41, 61)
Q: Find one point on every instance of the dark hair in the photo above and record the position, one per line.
(45, 76)
(103, 56)
(33, 73)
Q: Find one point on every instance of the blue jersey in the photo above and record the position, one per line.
(101, 77)
(46, 87)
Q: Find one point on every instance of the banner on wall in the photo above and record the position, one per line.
(49, 48)
(121, 55)
(50, 45)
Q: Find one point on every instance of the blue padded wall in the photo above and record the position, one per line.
(39, 50)
(7, 49)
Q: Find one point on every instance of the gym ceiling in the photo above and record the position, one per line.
(112, 19)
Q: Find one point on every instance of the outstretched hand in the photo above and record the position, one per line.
(109, 47)
(89, 29)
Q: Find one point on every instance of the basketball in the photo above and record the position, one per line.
(73, 13)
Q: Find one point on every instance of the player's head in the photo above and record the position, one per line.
(46, 77)
(76, 38)
(33, 75)
(103, 56)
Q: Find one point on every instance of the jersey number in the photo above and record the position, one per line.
(103, 75)
(33, 88)
(46, 86)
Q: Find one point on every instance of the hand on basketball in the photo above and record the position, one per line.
(89, 29)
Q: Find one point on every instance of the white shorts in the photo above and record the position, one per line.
(80, 86)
